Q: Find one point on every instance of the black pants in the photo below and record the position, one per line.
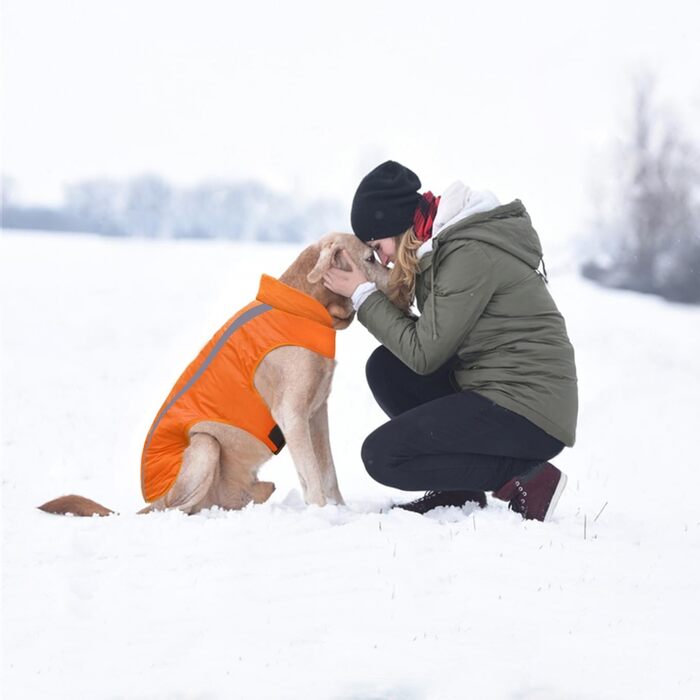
(444, 439)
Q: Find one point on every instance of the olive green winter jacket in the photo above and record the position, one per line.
(485, 307)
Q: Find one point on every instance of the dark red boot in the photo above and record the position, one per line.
(534, 495)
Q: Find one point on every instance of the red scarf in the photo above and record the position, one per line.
(425, 215)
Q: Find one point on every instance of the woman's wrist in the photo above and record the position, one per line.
(362, 291)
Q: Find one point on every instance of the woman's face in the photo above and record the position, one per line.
(385, 249)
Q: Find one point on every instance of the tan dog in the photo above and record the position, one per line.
(220, 465)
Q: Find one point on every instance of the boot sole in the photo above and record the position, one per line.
(555, 497)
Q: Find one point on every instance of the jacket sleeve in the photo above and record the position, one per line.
(463, 285)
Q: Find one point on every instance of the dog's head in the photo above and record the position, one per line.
(306, 273)
(329, 254)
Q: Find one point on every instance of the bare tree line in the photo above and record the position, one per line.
(648, 239)
(149, 206)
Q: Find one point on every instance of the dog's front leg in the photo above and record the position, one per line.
(295, 427)
(322, 447)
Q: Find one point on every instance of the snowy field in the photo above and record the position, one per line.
(341, 603)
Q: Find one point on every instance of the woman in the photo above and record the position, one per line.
(481, 387)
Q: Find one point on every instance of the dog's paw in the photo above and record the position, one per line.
(261, 491)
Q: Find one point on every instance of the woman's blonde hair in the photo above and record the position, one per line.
(402, 280)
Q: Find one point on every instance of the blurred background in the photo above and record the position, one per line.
(156, 157)
(255, 121)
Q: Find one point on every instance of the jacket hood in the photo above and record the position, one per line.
(507, 227)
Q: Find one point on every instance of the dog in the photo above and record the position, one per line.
(199, 453)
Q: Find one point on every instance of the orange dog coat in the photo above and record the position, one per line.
(218, 384)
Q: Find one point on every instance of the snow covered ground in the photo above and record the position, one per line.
(287, 601)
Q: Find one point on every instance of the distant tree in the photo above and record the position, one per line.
(98, 204)
(218, 210)
(650, 236)
(15, 215)
(149, 206)
(147, 203)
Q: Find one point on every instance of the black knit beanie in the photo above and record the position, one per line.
(385, 202)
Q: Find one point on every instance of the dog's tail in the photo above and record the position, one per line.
(75, 505)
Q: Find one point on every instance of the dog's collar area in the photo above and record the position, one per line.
(285, 298)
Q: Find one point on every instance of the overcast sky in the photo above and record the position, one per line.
(522, 98)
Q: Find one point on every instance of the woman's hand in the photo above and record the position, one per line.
(344, 282)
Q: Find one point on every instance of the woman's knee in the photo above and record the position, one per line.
(375, 458)
(389, 381)
(378, 366)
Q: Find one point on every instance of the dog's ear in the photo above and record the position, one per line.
(328, 257)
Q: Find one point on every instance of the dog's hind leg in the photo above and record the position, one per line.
(200, 464)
